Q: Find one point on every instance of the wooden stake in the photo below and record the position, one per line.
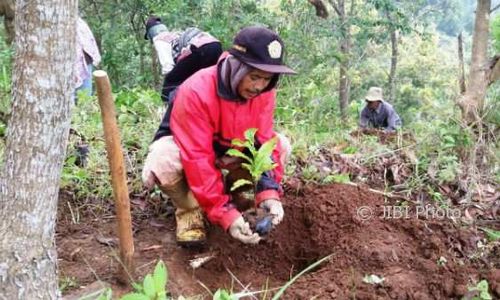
(118, 174)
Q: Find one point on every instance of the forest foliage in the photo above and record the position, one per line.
(426, 86)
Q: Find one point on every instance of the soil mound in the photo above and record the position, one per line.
(418, 257)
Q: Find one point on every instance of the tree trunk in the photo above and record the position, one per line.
(394, 64)
(345, 48)
(35, 147)
(461, 68)
(321, 10)
(472, 102)
(344, 83)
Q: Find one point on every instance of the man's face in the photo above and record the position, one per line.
(254, 83)
(373, 104)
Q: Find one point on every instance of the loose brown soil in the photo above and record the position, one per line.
(418, 258)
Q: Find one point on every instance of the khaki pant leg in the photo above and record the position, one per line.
(163, 167)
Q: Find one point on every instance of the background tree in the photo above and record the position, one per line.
(344, 12)
(482, 72)
(396, 21)
(35, 146)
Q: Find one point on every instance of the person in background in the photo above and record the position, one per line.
(181, 54)
(210, 109)
(87, 56)
(378, 114)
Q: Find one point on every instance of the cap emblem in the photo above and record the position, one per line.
(274, 49)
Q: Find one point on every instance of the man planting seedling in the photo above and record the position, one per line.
(210, 109)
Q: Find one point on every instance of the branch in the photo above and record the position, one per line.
(494, 8)
(461, 78)
(335, 6)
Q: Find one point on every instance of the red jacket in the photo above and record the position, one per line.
(202, 121)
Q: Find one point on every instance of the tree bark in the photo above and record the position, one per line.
(394, 65)
(461, 68)
(320, 7)
(345, 49)
(36, 142)
(472, 101)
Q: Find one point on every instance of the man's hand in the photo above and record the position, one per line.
(240, 230)
(275, 208)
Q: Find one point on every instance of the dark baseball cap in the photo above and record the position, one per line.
(260, 48)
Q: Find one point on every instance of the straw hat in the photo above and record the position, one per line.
(374, 94)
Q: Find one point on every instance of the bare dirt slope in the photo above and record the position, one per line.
(422, 257)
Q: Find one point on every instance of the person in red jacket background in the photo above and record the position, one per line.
(210, 109)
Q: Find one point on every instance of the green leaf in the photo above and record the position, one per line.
(161, 295)
(239, 143)
(263, 161)
(268, 147)
(250, 135)
(341, 178)
(492, 235)
(149, 286)
(160, 276)
(137, 287)
(449, 139)
(266, 150)
(240, 183)
(135, 296)
(222, 294)
(350, 150)
(238, 153)
(482, 285)
(483, 289)
(247, 166)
